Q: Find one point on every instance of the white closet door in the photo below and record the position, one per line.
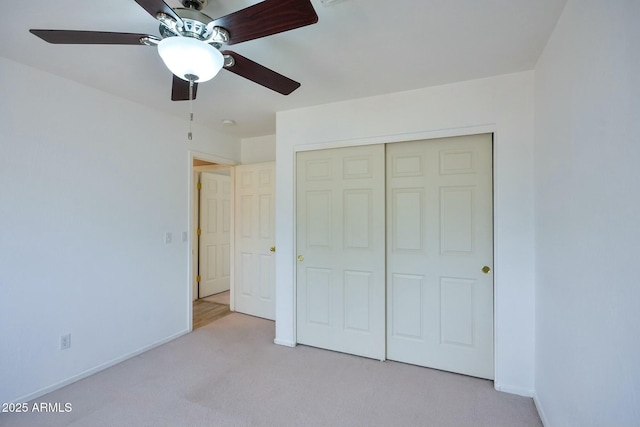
(215, 237)
(340, 243)
(254, 279)
(439, 238)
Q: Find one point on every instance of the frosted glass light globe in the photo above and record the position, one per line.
(190, 59)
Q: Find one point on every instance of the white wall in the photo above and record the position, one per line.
(588, 217)
(502, 104)
(89, 184)
(258, 150)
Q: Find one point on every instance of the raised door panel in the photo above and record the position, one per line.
(245, 225)
(357, 219)
(456, 220)
(318, 214)
(245, 278)
(318, 296)
(408, 215)
(357, 288)
(265, 216)
(212, 262)
(406, 297)
(457, 302)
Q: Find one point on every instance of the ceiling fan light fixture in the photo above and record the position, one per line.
(190, 58)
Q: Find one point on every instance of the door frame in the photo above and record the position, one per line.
(390, 139)
(220, 162)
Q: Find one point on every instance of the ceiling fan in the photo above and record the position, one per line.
(191, 42)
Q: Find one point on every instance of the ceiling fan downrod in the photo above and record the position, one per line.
(192, 80)
(191, 4)
(195, 4)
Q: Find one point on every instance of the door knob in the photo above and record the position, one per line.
(272, 249)
(486, 269)
(300, 258)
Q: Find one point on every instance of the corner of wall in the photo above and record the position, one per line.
(540, 410)
(258, 149)
(513, 390)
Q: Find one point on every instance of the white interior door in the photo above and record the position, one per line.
(439, 238)
(215, 234)
(254, 279)
(340, 243)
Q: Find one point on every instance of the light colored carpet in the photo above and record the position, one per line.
(229, 373)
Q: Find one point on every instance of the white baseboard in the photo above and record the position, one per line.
(541, 413)
(102, 367)
(285, 343)
(513, 390)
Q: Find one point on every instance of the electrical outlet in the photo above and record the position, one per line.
(185, 236)
(168, 237)
(65, 341)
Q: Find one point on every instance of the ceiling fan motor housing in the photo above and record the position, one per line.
(195, 25)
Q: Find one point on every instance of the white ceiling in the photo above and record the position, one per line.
(358, 48)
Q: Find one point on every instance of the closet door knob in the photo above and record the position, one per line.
(300, 258)
(486, 269)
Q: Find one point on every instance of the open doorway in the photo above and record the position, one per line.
(212, 242)
(249, 257)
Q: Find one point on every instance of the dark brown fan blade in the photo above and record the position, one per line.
(266, 18)
(88, 37)
(156, 6)
(180, 89)
(259, 74)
